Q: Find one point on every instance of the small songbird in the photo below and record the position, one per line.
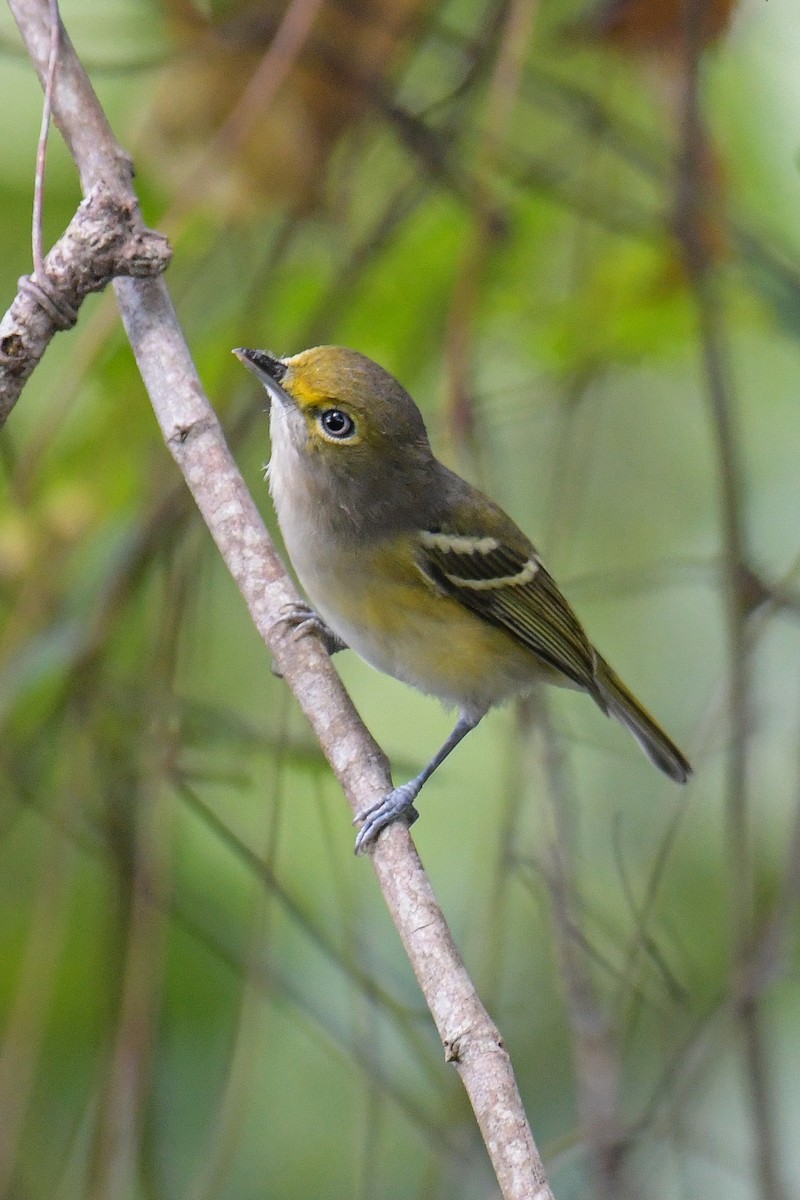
(409, 565)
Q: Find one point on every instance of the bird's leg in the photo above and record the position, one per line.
(399, 803)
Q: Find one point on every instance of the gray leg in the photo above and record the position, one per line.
(399, 803)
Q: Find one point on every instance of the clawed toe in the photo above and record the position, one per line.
(302, 621)
(396, 806)
(305, 622)
(300, 618)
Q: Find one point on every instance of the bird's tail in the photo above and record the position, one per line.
(623, 705)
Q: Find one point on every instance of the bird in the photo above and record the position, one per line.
(412, 567)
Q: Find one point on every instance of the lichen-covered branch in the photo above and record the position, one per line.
(105, 239)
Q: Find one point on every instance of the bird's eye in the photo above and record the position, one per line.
(337, 424)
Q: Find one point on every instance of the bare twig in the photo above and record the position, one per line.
(104, 239)
(594, 1054)
(768, 960)
(24, 1033)
(693, 207)
(118, 1133)
(41, 153)
(489, 222)
(144, 903)
(271, 73)
(193, 436)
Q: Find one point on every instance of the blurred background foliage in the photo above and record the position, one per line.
(503, 202)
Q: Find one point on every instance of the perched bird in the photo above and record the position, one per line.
(413, 568)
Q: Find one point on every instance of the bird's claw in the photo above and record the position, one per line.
(304, 621)
(301, 618)
(397, 805)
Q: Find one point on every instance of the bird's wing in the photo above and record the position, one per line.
(510, 588)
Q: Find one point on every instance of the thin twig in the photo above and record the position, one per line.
(594, 1053)
(693, 207)
(271, 72)
(488, 222)
(41, 152)
(24, 1034)
(144, 903)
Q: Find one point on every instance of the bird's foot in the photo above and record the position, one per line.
(304, 621)
(397, 805)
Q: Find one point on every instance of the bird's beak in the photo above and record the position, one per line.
(267, 369)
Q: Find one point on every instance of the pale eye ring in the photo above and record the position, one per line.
(337, 424)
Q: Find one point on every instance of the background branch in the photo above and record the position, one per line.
(697, 202)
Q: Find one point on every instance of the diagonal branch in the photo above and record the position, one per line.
(195, 440)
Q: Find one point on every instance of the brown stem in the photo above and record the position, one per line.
(693, 206)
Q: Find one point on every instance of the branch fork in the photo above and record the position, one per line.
(104, 240)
